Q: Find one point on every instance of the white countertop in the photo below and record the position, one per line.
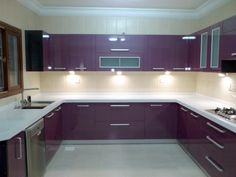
(13, 121)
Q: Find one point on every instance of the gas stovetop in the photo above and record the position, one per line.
(227, 113)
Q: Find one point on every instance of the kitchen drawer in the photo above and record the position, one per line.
(120, 112)
(120, 130)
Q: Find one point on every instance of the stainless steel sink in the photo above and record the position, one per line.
(37, 105)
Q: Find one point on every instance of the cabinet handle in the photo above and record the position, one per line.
(193, 115)
(217, 167)
(80, 68)
(233, 54)
(178, 69)
(119, 105)
(58, 68)
(158, 69)
(185, 110)
(19, 139)
(82, 105)
(119, 50)
(156, 105)
(214, 142)
(50, 116)
(58, 109)
(215, 128)
(120, 125)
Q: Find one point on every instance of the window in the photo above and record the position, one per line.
(10, 60)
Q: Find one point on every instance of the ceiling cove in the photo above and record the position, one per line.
(74, 8)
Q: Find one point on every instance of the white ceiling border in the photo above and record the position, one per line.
(35, 6)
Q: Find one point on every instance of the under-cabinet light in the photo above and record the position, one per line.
(122, 39)
(113, 39)
(189, 37)
(49, 67)
(46, 36)
(113, 70)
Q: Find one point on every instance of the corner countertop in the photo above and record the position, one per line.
(13, 121)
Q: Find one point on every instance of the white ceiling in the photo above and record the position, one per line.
(156, 4)
(164, 8)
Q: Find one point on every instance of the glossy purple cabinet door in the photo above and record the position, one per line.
(53, 132)
(59, 52)
(194, 53)
(78, 121)
(120, 130)
(167, 52)
(161, 121)
(229, 25)
(227, 45)
(119, 112)
(81, 52)
(16, 157)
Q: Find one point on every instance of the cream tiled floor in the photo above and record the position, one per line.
(140, 160)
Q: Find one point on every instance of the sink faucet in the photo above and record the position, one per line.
(23, 101)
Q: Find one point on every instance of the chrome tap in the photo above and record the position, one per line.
(28, 100)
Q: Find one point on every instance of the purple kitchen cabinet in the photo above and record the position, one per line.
(229, 25)
(120, 112)
(16, 156)
(132, 46)
(194, 52)
(189, 132)
(59, 50)
(53, 132)
(78, 121)
(120, 130)
(227, 45)
(160, 121)
(81, 52)
(167, 52)
(219, 147)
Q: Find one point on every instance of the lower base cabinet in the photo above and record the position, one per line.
(16, 157)
(211, 145)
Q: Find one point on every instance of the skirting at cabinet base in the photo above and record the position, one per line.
(130, 141)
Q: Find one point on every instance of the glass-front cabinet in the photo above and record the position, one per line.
(203, 52)
(2, 84)
(215, 47)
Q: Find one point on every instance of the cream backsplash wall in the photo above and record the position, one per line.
(128, 82)
(15, 14)
(212, 85)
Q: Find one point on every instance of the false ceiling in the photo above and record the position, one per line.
(170, 8)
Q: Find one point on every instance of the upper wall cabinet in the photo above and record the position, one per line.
(125, 52)
(73, 52)
(194, 52)
(227, 44)
(37, 51)
(167, 52)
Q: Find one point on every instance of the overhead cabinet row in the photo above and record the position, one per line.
(65, 52)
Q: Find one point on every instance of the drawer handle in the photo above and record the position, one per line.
(156, 105)
(59, 68)
(178, 69)
(193, 115)
(233, 54)
(119, 50)
(19, 139)
(215, 128)
(58, 109)
(185, 110)
(158, 69)
(120, 125)
(81, 68)
(214, 142)
(119, 105)
(50, 116)
(82, 105)
(217, 167)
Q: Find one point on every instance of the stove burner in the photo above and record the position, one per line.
(228, 113)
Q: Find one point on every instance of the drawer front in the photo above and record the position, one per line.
(119, 112)
(120, 130)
